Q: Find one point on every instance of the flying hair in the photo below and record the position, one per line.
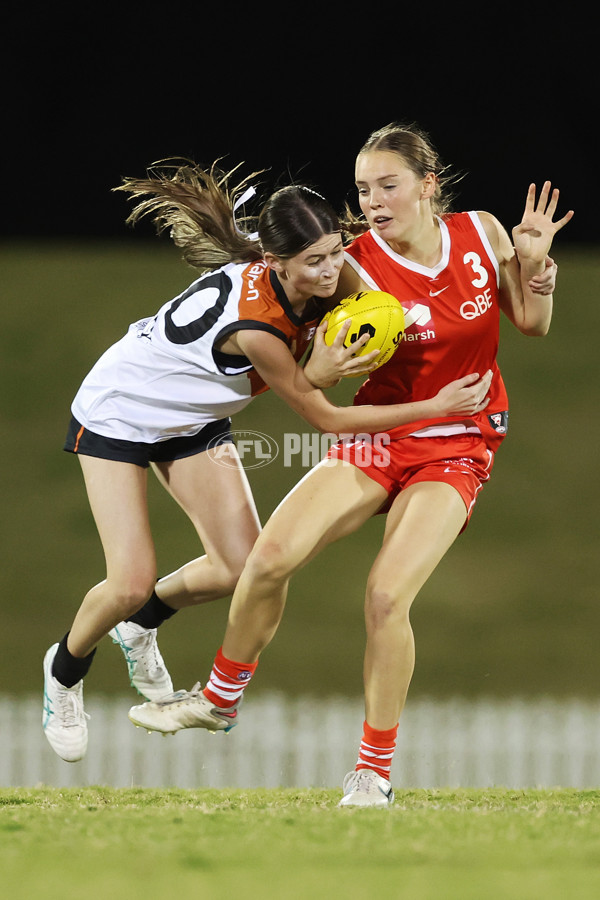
(197, 206)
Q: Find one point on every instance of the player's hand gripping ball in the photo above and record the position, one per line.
(374, 313)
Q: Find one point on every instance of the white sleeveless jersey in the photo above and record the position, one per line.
(165, 378)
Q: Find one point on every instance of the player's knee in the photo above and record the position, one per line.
(227, 566)
(268, 561)
(384, 604)
(130, 596)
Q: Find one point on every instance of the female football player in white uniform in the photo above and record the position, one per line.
(163, 396)
(453, 274)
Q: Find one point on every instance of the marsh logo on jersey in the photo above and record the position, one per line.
(418, 321)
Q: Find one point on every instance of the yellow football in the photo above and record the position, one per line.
(375, 313)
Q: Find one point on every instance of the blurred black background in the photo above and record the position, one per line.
(91, 95)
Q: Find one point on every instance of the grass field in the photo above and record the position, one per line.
(296, 845)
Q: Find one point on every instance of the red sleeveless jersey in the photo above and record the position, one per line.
(452, 322)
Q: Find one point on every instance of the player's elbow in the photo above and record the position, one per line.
(533, 325)
(327, 421)
(535, 329)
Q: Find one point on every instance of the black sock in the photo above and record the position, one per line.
(69, 669)
(153, 613)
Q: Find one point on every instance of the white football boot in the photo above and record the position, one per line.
(183, 709)
(64, 718)
(147, 671)
(366, 788)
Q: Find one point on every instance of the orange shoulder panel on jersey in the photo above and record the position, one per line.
(259, 302)
(257, 297)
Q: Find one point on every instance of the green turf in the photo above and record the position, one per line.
(297, 845)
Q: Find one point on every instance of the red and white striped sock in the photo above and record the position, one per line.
(377, 750)
(228, 680)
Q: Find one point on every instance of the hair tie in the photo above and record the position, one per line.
(310, 191)
(248, 193)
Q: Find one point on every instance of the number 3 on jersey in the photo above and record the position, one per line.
(474, 260)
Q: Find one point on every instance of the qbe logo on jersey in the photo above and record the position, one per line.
(254, 450)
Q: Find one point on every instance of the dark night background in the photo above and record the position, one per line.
(90, 97)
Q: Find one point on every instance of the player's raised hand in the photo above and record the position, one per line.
(329, 363)
(532, 238)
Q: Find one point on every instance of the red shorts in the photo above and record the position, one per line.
(464, 461)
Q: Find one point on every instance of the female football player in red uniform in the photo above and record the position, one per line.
(453, 274)
(163, 396)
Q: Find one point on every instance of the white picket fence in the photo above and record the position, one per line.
(513, 743)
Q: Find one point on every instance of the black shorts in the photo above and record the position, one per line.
(88, 443)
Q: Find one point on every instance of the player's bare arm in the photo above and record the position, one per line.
(277, 367)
